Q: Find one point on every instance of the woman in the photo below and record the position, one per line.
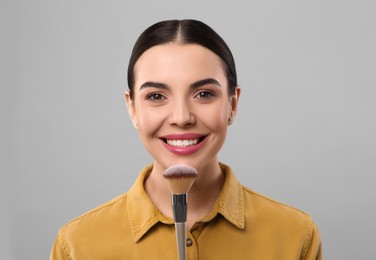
(183, 94)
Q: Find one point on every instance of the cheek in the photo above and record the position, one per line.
(149, 120)
(215, 118)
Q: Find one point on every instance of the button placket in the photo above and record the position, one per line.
(191, 247)
(189, 242)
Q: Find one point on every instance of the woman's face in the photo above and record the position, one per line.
(181, 104)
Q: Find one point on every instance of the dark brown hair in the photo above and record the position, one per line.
(185, 32)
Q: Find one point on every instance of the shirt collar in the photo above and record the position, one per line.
(230, 203)
(143, 214)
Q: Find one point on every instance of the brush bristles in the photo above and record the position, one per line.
(180, 185)
(180, 178)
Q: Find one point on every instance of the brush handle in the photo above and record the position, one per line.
(179, 207)
(180, 239)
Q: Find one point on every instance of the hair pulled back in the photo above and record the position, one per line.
(184, 32)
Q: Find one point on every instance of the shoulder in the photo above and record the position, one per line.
(275, 215)
(108, 214)
(261, 204)
(102, 210)
(88, 227)
(280, 220)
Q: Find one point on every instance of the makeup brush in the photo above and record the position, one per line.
(180, 179)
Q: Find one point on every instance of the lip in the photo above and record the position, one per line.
(184, 150)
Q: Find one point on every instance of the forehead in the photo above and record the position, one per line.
(185, 61)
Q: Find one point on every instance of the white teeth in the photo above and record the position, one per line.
(182, 143)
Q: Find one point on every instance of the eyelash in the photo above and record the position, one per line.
(155, 97)
(205, 94)
(158, 97)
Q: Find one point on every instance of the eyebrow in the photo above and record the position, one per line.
(152, 84)
(193, 86)
(204, 82)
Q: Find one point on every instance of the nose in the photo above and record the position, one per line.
(181, 114)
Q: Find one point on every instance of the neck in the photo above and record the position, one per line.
(202, 196)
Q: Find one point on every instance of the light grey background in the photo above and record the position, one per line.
(304, 135)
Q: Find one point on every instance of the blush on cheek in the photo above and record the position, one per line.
(151, 122)
(215, 118)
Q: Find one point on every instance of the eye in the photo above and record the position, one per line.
(155, 97)
(204, 94)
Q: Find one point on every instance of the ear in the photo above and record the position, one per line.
(131, 108)
(234, 99)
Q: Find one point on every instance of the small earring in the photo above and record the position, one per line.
(135, 125)
(230, 119)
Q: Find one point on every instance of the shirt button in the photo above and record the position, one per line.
(189, 242)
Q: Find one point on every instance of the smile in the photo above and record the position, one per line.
(183, 144)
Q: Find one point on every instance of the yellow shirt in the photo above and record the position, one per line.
(242, 225)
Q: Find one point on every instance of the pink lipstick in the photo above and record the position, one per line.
(183, 144)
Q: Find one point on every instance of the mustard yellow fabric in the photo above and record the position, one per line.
(242, 225)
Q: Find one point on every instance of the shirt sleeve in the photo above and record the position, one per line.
(59, 251)
(313, 250)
